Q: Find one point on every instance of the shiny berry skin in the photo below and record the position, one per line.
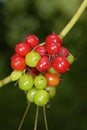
(32, 40)
(60, 64)
(41, 97)
(25, 82)
(30, 94)
(63, 52)
(53, 38)
(17, 62)
(52, 48)
(52, 79)
(22, 48)
(15, 75)
(40, 82)
(43, 64)
(41, 50)
(32, 58)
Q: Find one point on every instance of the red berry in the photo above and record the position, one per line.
(17, 62)
(22, 48)
(60, 64)
(32, 40)
(53, 38)
(52, 48)
(63, 52)
(43, 64)
(41, 50)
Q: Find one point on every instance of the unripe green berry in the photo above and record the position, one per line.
(15, 75)
(41, 98)
(26, 82)
(31, 93)
(70, 58)
(51, 91)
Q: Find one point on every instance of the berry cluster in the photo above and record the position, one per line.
(38, 67)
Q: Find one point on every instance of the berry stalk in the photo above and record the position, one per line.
(74, 19)
(5, 81)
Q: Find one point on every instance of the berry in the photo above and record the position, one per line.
(52, 48)
(40, 82)
(32, 59)
(32, 40)
(70, 59)
(17, 62)
(53, 38)
(43, 63)
(30, 94)
(52, 70)
(41, 98)
(22, 48)
(41, 50)
(60, 64)
(26, 82)
(15, 75)
(52, 79)
(63, 52)
(51, 91)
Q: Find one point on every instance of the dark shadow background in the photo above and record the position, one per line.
(18, 18)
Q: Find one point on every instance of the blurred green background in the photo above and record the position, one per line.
(18, 18)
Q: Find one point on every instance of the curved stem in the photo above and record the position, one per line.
(36, 119)
(5, 81)
(45, 118)
(74, 19)
(23, 118)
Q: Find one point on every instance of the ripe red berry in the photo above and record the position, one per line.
(22, 48)
(32, 40)
(41, 50)
(43, 64)
(53, 38)
(63, 52)
(60, 64)
(17, 62)
(52, 48)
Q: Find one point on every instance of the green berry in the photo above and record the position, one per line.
(30, 94)
(70, 58)
(40, 82)
(15, 75)
(26, 82)
(41, 98)
(32, 59)
(51, 91)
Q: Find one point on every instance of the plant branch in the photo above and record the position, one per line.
(74, 19)
(36, 118)
(5, 81)
(23, 118)
(45, 118)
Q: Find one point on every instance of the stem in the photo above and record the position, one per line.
(5, 81)
(23, 118)
(45, 118)
(74, 19)
(36, 118)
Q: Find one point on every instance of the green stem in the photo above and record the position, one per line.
(74, 19)
(5, 81)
